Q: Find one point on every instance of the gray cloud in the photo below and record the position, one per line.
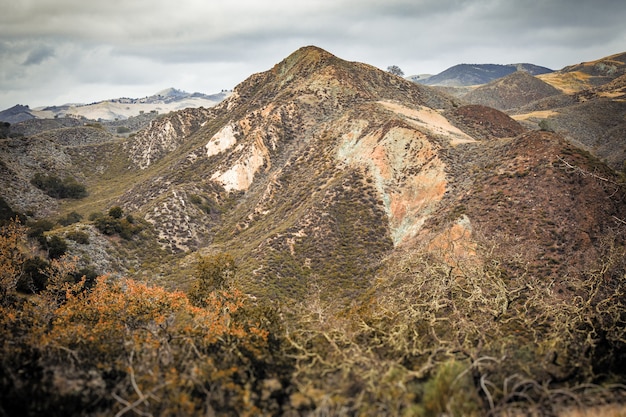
(72, 50)
(39, 54)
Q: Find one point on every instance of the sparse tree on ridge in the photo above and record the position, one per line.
(395, 70)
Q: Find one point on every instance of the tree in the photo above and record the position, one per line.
(395, 70)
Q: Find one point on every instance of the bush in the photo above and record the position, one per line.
(71, 218)
(95, 216)
(78, 237)
(7, 214)
(107, 347)
(57, 247)
(57, 188)
(113, 224)
(545, 126)
(123, 129)
(37, 228)
(34, 278)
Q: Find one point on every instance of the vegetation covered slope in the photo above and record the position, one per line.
(346, 243)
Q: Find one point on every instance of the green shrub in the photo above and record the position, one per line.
(57, 188)
(116, 212)
(33, 278)
(71, 218)
(78, 237)
(113, 224)
(450, 392)
(95, 216)
(57, 247)
(37, 228)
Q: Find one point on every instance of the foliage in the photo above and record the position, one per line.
(124, 347)
(116, 212)
(37, 228)
(113, 223)
(70, 218)
(437, 334)
(7, 214)
(395, 70)
(58, 188)
(78, 237)
(34, 278)
(545, 126)
(11, 260)
(213, 272)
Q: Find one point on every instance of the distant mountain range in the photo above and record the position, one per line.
(164, 101)
(475, 74)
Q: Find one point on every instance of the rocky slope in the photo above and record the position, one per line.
(311, 168)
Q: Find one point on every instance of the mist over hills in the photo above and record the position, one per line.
(402, 250)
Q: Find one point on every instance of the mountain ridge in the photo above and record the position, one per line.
(463, 75)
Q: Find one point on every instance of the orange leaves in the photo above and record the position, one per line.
(11, 259)
(156, 352)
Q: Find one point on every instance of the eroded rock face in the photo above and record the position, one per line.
(406, 171)
(165, 135)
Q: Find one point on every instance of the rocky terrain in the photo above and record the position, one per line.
(406, 228)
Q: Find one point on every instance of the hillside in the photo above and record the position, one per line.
(589, 114)
(358, 243)
(587, 75)
(515, 90)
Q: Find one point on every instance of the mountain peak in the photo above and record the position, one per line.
(303, 62)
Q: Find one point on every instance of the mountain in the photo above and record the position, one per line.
(462, 75)
(163, 101)
(408, 249)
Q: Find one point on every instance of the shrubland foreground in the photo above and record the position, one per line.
(436, 337)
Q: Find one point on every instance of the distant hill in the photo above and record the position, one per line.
(16, 114)
(476, 74)
(164, 101)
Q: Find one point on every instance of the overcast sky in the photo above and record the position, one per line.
(58, 51)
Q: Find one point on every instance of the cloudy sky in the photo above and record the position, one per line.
(60, 51)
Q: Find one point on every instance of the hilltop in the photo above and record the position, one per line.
(397, 250)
